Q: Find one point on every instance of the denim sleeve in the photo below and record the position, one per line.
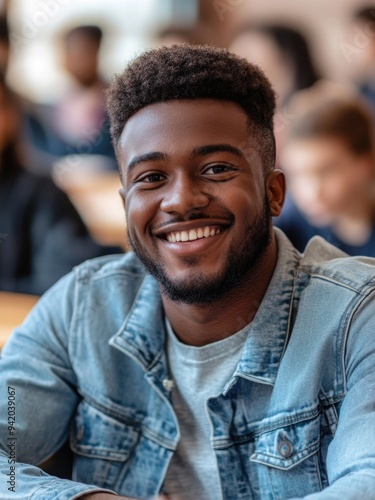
(38, 398)
(351, 455)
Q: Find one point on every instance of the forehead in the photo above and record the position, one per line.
(183, 124)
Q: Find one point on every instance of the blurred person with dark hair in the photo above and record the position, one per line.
(32, 131)
(42, 235)
(78, 123)
(82, 45)
(282, 52)
(285, 56)
(329, 161)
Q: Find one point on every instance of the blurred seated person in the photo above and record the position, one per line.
(41, 235)
(329, 161)
(33, 130)
(78, 123)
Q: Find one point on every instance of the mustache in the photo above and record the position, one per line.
(193, 217)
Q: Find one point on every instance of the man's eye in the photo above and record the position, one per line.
(219, 169)
(152, 178)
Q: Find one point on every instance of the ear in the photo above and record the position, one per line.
(276, 187)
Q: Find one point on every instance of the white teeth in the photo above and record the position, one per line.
(193, 234)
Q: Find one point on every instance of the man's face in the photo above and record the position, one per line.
(195, 199)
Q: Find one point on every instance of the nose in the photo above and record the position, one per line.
(184, 195)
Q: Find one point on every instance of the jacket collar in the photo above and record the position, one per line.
(141, 336)
(269, 330)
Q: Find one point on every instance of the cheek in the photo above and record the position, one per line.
(139, 212)
(242, 201)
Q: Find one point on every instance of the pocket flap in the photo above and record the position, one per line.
(286, 446)
(95, 434)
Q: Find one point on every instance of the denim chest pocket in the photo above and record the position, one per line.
(102, 446)
(290, 459)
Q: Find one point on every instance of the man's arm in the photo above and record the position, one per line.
(351, 455)
(38, 397)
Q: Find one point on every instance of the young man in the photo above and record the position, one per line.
(215, 361)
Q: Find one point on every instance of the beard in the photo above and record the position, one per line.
(204, 290)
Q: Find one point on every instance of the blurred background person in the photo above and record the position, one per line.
(78, 124)
(282, 52)
(32, 131)
(329, 161)
(42, 235)
(285, 56)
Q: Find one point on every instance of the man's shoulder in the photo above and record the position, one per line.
(110, 265)
(321, 259)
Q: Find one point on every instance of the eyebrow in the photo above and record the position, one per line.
(154, 156)
(217, 148)
(200, 151)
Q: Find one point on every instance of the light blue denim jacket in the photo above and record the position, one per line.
(297, 420)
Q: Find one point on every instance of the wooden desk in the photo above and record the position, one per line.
(13, 310)
(96, 198)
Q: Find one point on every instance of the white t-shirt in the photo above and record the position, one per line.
(198, 373)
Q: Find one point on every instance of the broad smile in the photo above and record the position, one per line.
(188, 242)
(193, 234)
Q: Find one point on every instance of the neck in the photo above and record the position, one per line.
(200, 325)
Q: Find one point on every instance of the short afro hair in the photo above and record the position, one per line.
(184, 71)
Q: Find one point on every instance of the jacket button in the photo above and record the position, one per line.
(168, 384)
(285, 448)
